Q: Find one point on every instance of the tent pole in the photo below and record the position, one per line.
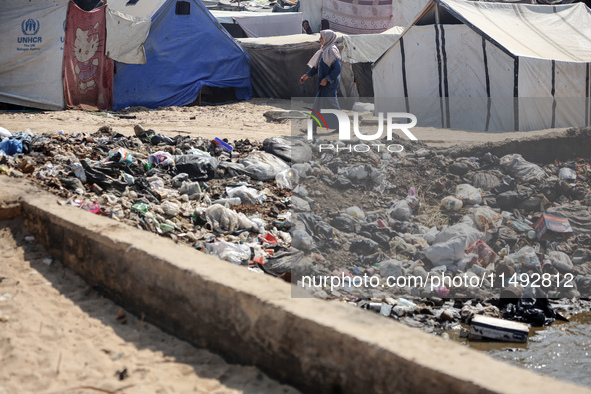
(436, 13)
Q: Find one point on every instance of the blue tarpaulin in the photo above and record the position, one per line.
(183, 52)
(11, 146)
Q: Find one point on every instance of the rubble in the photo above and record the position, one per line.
(456, 237)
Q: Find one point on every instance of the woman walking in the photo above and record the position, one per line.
(326, 62)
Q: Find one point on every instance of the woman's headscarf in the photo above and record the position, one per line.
(328, 52)
(308, 30)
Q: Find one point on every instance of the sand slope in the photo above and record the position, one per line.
(57, 335)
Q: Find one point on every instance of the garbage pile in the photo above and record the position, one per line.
(432, 240)
(220, 197)
(415, 235)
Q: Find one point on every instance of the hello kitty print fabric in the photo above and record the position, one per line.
(88, 73)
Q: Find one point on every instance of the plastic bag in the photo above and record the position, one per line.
(4, 133)
(262, 166)
(288, 149)
(247, 195)
(356, 212)
(225, 220)
(190, 188)
(391, 268)
(413, 201)
(198, 167)
(178, 180)
(521, 169)
(11, 147)
(451, 203)
(156, 183)
(519, 226)
(161, 158)
(561, 261)
(287, 179)
(234, 253)
(487, 219)
(567, 174)
(299, 204)
(401, 211)
(484, 180)
(430, 235)
(468, 194)
(363, 172)
(78, 170)
(161, 139)
(118, 155)
(302, 169)
(301, 240)
(446, 253)
(526, 256)
(170, 208)
(461, 230)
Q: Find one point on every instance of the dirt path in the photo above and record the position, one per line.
(233, 121)
(57, 335)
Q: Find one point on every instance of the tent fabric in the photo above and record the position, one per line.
(184, 53)
(358, 16)
(365, 48)
(279, 62)
(140, 9)
(276, 24)
(560, 32)
(263, 24)
(31, 53)
(405, 12)
(476, 76)
(88, 72)
(125, 41)
(553, 2)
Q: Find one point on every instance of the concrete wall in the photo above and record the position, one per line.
(315, 345)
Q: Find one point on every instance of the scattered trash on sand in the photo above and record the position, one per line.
(428, 239)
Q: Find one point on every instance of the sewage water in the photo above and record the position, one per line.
(561, 350)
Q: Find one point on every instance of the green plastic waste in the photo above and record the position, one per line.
(166, 228)
(140, 207)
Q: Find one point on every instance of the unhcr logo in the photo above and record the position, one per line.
(30, 27)
(344, 130)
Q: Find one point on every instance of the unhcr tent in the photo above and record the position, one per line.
(279, 62)
(490, 66)
(31, 52)
(186, 50)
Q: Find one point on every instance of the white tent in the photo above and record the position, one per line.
(31, 52)
(490, 66)
(262, 24)
(405, 12)
(278, 62)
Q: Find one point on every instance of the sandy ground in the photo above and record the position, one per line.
(233, 121)
(57, 335)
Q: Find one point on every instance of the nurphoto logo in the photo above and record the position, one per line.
(344, 130)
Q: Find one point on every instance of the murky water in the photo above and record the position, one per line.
(561, 350)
